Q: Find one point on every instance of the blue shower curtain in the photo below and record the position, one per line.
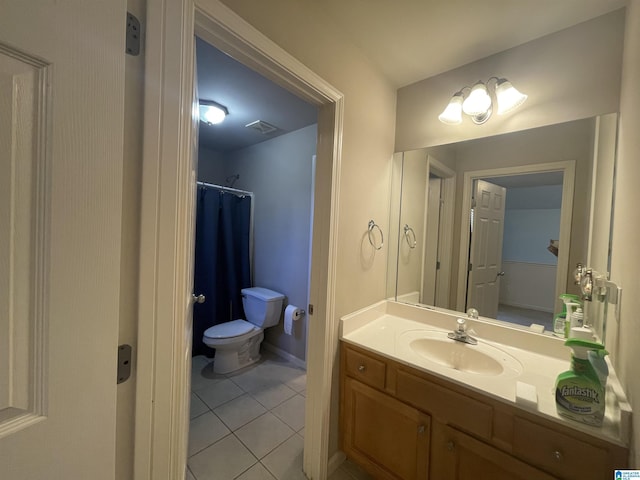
(222, 265)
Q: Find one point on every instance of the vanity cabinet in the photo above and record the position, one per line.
(385, 434)
(398, 422)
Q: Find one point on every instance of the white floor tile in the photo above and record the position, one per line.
(257, 472)
(202, 373)
(273, 395)
(285, 462)
(291, 412)
(252, 379)
(355, 471)
(264, 434)
(224, 460)
(205, 430)
(298, 383)
(239, 411)
(281, 371)
(340, 474)
(198, 407)
(219, 393)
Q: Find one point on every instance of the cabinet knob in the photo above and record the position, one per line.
(557, 455)
(451, 445)
(421, 429)
(362, 368)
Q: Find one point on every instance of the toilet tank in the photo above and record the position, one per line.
(262, 306)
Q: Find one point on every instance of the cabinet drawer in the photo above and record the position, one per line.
(365, 368)
(558, 453)
(469, 414)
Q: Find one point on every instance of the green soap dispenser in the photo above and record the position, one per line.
(580, 392)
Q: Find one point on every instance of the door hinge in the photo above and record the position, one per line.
(470, 267)
(438, 265)
(133, 35)
(124, 363)
(310, 309)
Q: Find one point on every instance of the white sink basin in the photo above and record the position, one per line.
(481, 359)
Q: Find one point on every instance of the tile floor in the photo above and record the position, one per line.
(249, 425)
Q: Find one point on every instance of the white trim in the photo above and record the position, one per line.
(445, 240)
(164, 334)
(568, 169)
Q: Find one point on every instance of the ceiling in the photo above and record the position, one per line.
(407, 40)
(410, 40)
(249, 97)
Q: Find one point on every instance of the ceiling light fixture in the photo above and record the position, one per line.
(212, 113)
(477, 101)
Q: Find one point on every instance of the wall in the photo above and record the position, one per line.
(307, 33)
(413, 204)
(211, 166)
(568, 75)
(623, 340)
(279, 172)
(532, 218)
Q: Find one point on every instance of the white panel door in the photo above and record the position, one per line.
(486, 248)
(61, 149)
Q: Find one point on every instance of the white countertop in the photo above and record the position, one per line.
(382, 328)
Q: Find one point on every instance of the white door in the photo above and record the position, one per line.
(486, 248)
(61, 150)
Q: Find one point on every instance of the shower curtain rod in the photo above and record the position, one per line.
(226, 189)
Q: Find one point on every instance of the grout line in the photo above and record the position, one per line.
(211, 444)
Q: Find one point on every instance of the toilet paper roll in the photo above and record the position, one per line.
(291, 313)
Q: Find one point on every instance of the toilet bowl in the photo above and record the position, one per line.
(237, 343)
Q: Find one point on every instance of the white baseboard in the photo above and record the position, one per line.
(286, 355)
(335, 461)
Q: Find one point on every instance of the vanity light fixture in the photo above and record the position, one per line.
(477, 101)
(212, 112)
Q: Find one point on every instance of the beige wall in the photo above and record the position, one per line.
(413, 204)
(304, 31)
(568, 75)
(626, 228)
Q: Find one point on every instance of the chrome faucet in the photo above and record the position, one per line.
(460, 333)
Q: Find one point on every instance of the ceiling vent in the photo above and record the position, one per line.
(262, 127)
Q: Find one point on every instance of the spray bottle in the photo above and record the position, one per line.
(580, 392)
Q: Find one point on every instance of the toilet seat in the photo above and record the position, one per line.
(231, 329)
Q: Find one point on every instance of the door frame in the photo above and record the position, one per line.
(445, 232)
(164, 341)
(567, 168)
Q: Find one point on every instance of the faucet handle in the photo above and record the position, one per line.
(462, 324)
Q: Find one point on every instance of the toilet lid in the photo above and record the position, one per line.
(234, 328)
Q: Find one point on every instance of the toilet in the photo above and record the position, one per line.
(237, 343)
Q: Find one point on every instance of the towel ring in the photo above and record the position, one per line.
(373, 225)
(407, 232)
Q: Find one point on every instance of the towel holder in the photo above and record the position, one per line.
(373, 225)
(408, 231)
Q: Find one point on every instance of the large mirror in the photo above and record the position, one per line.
(499, 223)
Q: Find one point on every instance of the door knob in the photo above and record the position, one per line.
(499, 274)
(197, 299)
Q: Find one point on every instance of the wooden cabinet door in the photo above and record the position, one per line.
(457, 456)
(383, 435)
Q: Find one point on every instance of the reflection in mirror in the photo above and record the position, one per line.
(499, 223)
